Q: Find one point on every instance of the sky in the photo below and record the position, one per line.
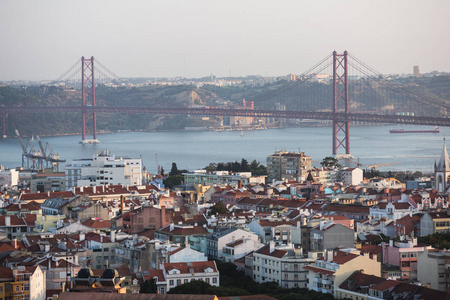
(41, 39)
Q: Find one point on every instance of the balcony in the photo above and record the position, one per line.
(326, 281)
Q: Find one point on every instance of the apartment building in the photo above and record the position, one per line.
(404, 254)
(283, 165)
(433, 270)
(181, 273)
(285, 265)
(328, 272)
(103, 169)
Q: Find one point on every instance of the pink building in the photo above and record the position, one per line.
(404, 255)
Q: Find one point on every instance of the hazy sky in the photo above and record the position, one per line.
(42, 39)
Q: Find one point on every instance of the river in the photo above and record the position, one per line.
(193, 150)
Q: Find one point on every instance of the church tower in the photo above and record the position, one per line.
(442, 172)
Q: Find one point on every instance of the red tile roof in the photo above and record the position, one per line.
(318, 270)
(197, 267)
(276, 253)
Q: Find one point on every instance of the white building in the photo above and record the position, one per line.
(351, 176)
(8, 177)
(216, 241)
(240, 248)
(180, 273)
(222, 177)
(104, 169)
(282, 264)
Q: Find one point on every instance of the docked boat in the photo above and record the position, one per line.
(435, 130)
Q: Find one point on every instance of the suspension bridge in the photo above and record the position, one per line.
(339, 88)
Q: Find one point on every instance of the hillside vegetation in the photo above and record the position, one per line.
(365, 96)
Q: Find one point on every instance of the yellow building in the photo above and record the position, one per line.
(22, 283)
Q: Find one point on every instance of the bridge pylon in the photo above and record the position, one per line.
(341, 133)
(88, 92)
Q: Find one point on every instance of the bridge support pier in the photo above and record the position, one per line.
(88, 89)
(341, 132)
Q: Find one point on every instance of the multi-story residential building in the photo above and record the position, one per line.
(239, 248)
(351, 176)
(22, 283)
(408, 225)
(104, 169)
(277, 231)
(362, 286)
(15, 226)
(392, 210)
(181, 233)
(180, 273)
(329, 235)
(284, 165)
(329, 272)
(141, 219)
(403, 254)
(143, 275)
(222, 177)
(434, 222)
(47, 181)
(216, 241)
(432, 269)
(285, 265)
(156, 253)
(8, 177)
(102, 246)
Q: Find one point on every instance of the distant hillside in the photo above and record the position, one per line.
(306, 96)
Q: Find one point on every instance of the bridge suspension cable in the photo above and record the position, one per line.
(305, 76)
(63, 75)
(396, 87)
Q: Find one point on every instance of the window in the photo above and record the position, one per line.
(171, 282)
(17, 288)
(214, 280)
(186, 281)
(178, 281)
(207, 280)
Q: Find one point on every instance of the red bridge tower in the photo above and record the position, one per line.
(88, 91)
(341, 133)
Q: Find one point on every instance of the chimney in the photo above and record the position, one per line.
(14, 243)
(101, 238)
(271, 246)
(20, 205)
(121, 203)
(7, 220)
(94, 190)
(163, 216)
(322, 224)
(239, 184)
(171, 226)
(82, 236)
(113, 236)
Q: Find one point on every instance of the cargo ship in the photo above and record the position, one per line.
(435, 130)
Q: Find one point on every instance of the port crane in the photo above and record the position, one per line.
(53, 159)
(33, 158)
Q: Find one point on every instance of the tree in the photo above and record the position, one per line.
(148, 287)
(244, 166)
(218, 208)
(174, 170)
(330, 162)
(162, 171)
(173, 180)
